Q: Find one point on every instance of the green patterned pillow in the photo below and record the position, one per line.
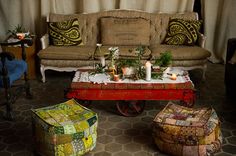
(65, 33)
(182, 32)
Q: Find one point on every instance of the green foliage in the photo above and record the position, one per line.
(164, 60)
(98, 69)
(136, 63)
(140, 51)
(17, 29)
(127, 63)
(157, 75)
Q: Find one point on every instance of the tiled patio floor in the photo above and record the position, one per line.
(117, 135)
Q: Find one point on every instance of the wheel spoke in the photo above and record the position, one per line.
(130, 108)
(136, 107)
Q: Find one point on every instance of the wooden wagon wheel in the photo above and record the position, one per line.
(130, 108)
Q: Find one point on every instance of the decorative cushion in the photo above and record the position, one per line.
(67, 53)
(182, 32)
(180, 52)
(16, 69)
(64, 129)
(186, 131)
(125, 31)
(65, 33)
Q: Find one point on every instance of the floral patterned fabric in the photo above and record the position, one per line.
(186, 131)
(66, 129)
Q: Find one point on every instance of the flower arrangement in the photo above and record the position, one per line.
(133, 66)
(113, 54)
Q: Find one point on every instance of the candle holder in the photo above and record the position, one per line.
(173, 76)
(116, 77)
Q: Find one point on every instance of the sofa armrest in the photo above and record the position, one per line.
(202, 40)
(44, 41)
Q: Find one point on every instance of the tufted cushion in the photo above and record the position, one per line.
(65, 33)
(67, 53)
(125, 31)
(125, 52)
(181, 52)
(182, 32)
(16, 69)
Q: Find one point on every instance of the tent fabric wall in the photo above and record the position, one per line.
(32, 13)
(219, 25)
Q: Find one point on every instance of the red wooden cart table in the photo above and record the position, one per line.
(130, 95)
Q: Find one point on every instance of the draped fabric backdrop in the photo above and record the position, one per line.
(219, 24)
(31, 14)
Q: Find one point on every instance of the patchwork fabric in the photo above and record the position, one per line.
(182, 32)
(65, 33)
(185, 131)
(64, 129)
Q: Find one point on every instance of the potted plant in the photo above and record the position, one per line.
(127, 66)
(18, 32)
(161, 64)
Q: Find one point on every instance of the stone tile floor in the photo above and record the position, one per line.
(117, 135)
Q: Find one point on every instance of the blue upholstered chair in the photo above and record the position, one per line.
(10, 71)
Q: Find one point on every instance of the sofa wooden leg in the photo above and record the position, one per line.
(42, 70)
(204, 72)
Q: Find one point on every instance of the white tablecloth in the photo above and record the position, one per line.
(182, 77)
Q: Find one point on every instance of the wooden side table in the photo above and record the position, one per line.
(30, 57)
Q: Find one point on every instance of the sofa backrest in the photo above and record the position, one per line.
(90, 23)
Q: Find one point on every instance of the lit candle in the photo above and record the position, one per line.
(173, 77)
(148, 70)
(116, 78)
(102, 58)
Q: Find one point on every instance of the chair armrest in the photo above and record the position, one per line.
(202, 40)
(44, 41)
(3, 55)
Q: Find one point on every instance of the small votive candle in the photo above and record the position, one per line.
(148, 70)
(173, 77)
(116, 77)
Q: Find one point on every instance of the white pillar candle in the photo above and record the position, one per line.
(148, 70)
(102, 58)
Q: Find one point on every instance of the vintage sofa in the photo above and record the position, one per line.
(147, 29)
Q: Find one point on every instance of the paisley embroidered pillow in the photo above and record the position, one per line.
(65, 33)
(182, 32)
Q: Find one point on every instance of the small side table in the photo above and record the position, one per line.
(30, 57)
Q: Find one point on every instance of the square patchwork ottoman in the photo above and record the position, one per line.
(183, 131)
(65, 129)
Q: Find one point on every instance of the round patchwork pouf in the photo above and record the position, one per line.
(186, 131)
